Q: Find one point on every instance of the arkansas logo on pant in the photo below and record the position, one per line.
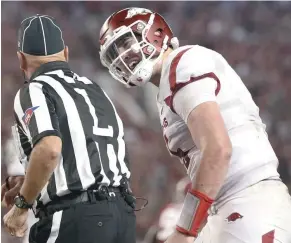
(233, 217)
(28, 114)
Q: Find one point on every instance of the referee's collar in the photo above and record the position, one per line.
(50, 66)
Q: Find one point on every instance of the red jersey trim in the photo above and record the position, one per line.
(177, 87)
(173, 68)
(174, 87)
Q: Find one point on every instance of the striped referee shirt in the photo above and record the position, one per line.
(56, 101)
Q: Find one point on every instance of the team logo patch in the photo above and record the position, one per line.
(233, 217)
(28, 114)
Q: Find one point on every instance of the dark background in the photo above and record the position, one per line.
(255, 38)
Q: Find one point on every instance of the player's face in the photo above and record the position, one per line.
(124, 53)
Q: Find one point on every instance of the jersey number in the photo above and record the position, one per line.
(180, 153)
(106, 132)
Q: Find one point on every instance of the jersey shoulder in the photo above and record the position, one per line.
(188, 64)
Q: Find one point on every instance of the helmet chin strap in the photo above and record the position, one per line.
(143, 75)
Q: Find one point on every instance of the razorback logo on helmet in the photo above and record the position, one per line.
(233, 217)
(135, 11)
(28, 114)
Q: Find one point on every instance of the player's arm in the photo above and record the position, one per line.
(36, 113)
(15, 172)
(210, 135)
(196, 104)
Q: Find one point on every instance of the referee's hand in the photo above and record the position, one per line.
(15, 221)
(10, 189)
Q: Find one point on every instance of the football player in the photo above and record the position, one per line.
(211, 123)
(14, 181)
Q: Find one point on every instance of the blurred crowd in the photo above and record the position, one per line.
(255, 38)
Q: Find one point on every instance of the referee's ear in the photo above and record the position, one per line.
(66, 52)
(22, 61)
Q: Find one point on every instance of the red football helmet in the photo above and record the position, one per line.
(132, 41)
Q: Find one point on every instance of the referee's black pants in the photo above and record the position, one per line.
(107, 221)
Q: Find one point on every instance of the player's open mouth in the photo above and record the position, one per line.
(133, 64)
(132, 60)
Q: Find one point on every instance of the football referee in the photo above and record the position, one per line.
(71, 143)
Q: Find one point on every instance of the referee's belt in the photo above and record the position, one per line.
(65, 202)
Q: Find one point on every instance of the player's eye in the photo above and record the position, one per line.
(128, 42)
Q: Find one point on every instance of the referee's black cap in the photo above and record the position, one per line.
(40, 35)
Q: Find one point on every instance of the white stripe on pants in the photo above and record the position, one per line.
(57, 217)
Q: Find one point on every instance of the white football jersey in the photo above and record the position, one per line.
(192, 75)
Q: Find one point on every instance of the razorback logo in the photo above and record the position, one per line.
(135, 11)
(233, 217)
(28, 114)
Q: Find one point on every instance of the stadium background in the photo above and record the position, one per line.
(255, 37)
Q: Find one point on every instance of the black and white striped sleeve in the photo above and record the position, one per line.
(34, 109)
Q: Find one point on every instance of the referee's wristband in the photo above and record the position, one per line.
(194, 212)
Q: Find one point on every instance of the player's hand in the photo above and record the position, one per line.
(9, 193)
(178, 237)
(15, 221)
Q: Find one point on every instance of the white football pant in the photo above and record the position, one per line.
(258, 214)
